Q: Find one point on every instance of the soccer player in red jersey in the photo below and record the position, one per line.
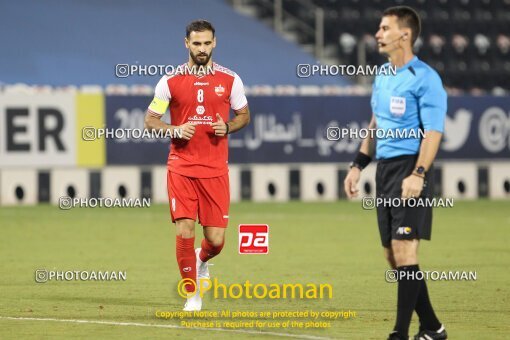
(200, 95)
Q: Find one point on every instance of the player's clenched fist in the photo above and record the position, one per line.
(351, 182)
(188, 130)
(220, 127)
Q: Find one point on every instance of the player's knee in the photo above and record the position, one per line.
(185, 228)
(217, 243)
(215, 237)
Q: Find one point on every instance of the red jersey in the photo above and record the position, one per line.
(196, 100)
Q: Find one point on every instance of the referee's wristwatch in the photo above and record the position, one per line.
(419, 171)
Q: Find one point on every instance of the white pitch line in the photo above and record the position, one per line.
(137, 324)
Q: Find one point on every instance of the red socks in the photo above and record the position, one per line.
(209, 251)
(186, 259)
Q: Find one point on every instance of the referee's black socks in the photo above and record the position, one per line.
(413, 295)
(428, 319)
(408, 291)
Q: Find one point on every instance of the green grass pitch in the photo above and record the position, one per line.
(335, 243)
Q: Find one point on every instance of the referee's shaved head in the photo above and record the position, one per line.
(406, 17)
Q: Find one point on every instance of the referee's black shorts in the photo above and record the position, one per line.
(396, 221)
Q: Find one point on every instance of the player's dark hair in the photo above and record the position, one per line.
(199, 26)
(407, 17)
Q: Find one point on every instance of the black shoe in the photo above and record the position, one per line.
(432, 335)
(397, 336)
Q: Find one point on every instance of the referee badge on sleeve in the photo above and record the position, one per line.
(398, 106)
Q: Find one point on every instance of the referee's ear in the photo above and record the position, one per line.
(407, 37)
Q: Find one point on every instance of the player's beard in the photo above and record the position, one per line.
(200, 62)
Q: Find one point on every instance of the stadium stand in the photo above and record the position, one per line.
(77, 43)
(467, 41)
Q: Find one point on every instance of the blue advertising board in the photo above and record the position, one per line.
(128, 113)
(289, 129)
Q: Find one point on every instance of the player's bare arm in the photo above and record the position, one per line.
(413, 184)
(241, 119)
(154, 123)
(352, 178)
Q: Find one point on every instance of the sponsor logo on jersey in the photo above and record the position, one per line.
(198, 83)
(200, 109)
(220, 90)
(200, 120)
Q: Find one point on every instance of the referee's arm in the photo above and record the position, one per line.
(413, 184)
(433, 105)
(368, 144)
(366, 152)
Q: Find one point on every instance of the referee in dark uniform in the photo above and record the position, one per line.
(412, 100)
